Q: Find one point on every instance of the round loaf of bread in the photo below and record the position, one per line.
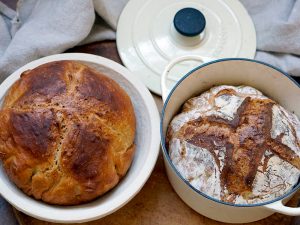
(66, 133)
(236, 145)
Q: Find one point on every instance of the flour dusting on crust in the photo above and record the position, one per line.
(265, 159)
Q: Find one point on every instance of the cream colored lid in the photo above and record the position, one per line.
(148, 38)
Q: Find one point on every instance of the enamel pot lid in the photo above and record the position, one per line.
(151, 33)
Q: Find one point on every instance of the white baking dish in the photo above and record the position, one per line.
(272, 82)
(147, 148)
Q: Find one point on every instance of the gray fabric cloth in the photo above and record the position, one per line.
(277, 24)
(43, 27)
(7, 216)
(110, 10)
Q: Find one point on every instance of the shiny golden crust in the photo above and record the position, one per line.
(66, 133)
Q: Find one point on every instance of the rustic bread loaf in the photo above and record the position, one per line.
(66, 133)
(236, 145)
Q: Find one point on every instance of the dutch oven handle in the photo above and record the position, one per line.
(164, 78)
(281, 208)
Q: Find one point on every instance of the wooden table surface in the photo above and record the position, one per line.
(156, 203)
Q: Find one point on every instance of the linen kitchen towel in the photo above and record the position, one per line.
(43, 27)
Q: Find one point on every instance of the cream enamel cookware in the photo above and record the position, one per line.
(147, 148)
(232, 71)
(151, 33)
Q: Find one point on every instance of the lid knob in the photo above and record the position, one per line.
(189, 22)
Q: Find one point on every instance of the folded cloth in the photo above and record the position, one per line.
(43, 27)
(7, 216)
(40, 28)
(277, 25)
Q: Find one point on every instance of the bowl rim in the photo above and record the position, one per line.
(54, 213)
(163, 143)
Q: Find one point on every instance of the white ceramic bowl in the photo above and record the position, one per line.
(266, 78)
(147, 148)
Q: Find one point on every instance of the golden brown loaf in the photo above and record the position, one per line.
(66, 133)
(236, 145)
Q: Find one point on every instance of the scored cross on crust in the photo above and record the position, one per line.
(66, 133)
(236, 128)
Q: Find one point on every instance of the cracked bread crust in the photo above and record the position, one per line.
(236, 145)
(66, 133)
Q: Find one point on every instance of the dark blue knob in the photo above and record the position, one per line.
(189, 22)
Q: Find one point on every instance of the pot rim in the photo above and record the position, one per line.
(163, 144)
